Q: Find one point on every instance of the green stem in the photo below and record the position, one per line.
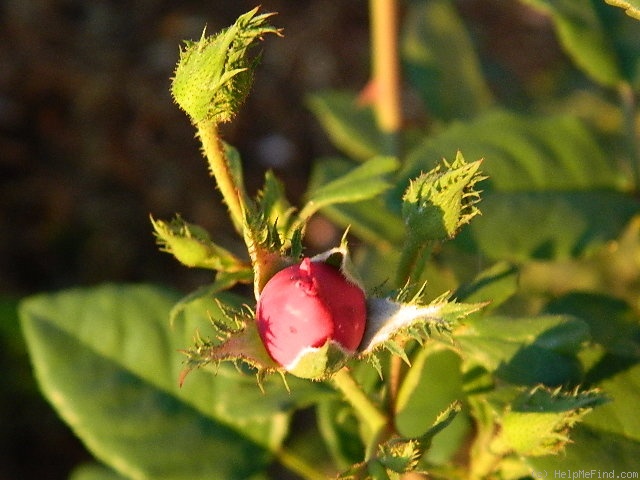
(298, 465)
(232, 192)
(386, 69)
(412, 261)
(628, 100)
(366, 411)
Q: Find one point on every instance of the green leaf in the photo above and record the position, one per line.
(351, 128)
(371, 220)
(591, 450)
(432, 383)
(522, 153)
(94, 471)
(525, 351)
(537, 423)
(609, 438)
(340, 431)
(108, 362)
(620, 380)
(567, 223)
(440, 61)
(631, 7)
(582, 35)
(612, 322)
(495, 285)
(543, 171)
(360, 183)
(214, 74)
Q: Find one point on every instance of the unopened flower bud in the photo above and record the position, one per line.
(311, 318)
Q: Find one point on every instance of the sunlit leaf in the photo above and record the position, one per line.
(581, 33)
(522, 153)
(108, 362)
(351, 127)
(360, 183)
(440, 61)
(525, 351)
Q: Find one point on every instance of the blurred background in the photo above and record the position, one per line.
(91, 144)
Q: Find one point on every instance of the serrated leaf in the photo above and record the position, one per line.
(108, 361)
(440, 61)
(582, 35)
(214, 74)
(360, 183)
(538, 422)
(351, 128)
(631, 7)
(609, 437)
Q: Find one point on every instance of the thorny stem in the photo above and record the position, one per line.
(221, 171)
(628, 100)
(386, 69)
(368, 413)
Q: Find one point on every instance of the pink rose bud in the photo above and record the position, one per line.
(305, 307)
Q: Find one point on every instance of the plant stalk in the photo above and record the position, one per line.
(366, 411)
(232, 193)
(385, 75)
(298, 465)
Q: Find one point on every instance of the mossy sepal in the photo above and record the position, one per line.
(214, 74)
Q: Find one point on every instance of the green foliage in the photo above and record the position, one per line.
(523, 330)
(441, 62)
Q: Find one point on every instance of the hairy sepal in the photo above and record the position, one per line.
(319, 363)
(235, 339)
(390, 322)
(191, 245)
(439, 202)
(214, 74)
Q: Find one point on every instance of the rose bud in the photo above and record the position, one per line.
(311, 318)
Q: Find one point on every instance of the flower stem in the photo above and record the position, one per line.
(230, 187)
(366, 411)
(386, 69)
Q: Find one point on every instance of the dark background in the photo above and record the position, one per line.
(91, 144)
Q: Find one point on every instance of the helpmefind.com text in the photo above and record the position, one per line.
(575, 474)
